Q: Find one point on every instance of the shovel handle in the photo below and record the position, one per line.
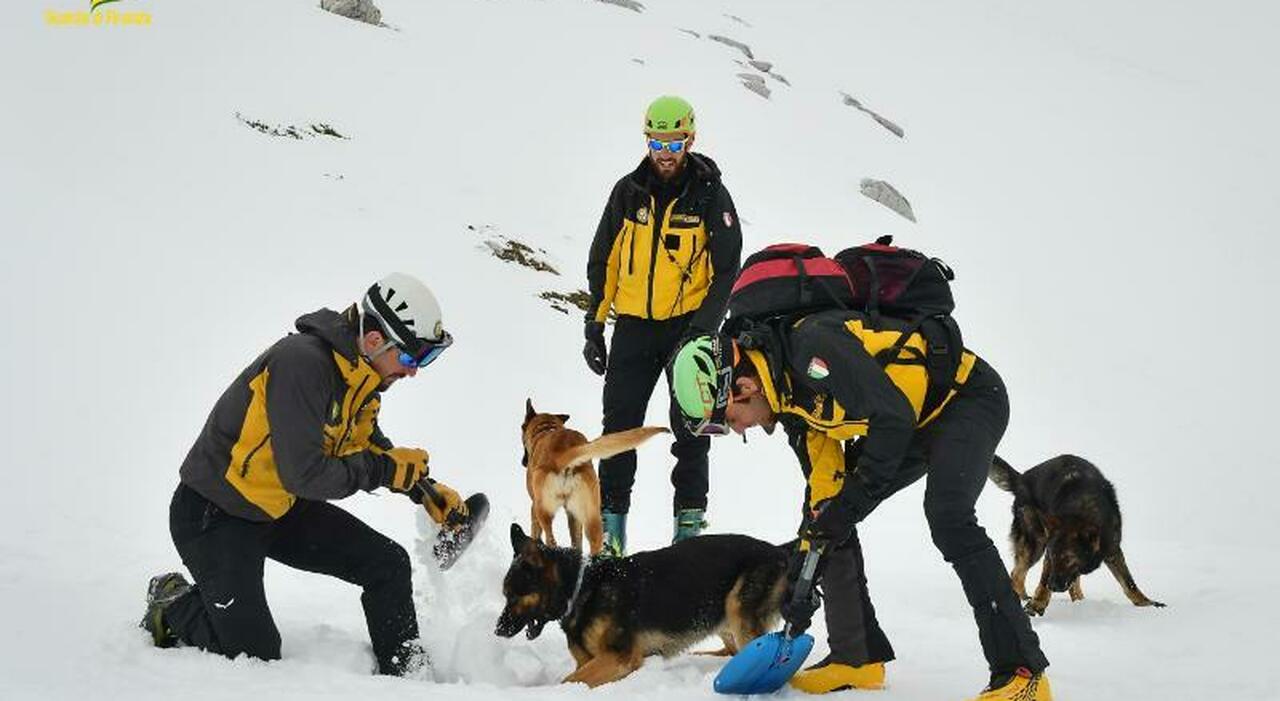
(429, 492)
(804, 582)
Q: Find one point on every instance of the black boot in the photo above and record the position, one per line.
(162, 591)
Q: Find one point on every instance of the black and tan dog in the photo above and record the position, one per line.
(559, 473)
(1065, 511)
(617, 611)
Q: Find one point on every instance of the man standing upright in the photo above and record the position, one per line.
(664, 259)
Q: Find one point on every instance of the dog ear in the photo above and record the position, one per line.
(518, 538)
(564, 418)
(528, 409)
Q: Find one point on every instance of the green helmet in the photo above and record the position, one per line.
(669, 113)
(701, 378)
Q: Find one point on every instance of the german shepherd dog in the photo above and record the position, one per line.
(617, 611)
(1065, 511)
(559, 473)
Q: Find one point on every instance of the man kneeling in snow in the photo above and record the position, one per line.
(297, 428)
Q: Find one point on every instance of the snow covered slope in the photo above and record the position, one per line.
(1099, 175)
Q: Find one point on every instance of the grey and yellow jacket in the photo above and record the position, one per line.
(658, 260)
(835, 390)
(300, 422)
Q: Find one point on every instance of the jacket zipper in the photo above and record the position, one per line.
(659, 223)
(631, 258)
(244, 468)
(346, 433)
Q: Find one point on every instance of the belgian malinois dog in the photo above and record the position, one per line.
(617, 611)
(1065, 511)
(560, 473)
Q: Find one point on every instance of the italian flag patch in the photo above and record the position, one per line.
(818, 368)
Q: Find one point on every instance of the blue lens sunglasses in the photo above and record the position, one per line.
(673, 146)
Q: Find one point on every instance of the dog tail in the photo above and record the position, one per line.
(610, 444)
(1003, 474)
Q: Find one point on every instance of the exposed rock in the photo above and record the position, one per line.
(738, 19)
(513, 251)
(732, 42)
(520, 254)
(853, 102)
(755, 84)
(561, 301)
(362, 10)
(766, 67)
(690, 32)
(887, 195)
(629, 4)
(290, 131)
(638, 61)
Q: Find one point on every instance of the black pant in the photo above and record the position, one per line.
(639, 352)
(226, 612)
(955, 452)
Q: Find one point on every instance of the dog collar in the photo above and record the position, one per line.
(577, 588)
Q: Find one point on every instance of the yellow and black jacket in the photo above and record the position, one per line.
(659, 255)
(299, 422)
(835, 390)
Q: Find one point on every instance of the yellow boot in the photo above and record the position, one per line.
(833, 676)
(1022, 686)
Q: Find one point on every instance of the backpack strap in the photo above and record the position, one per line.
(943, 349)
(768, 336)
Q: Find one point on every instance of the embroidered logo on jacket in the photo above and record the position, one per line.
(642, 215)
(691, 219)
(728, 220)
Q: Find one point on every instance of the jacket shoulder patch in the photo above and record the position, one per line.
(818, 368)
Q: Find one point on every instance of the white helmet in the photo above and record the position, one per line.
(407, 314)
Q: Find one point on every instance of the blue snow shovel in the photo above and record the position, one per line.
(767, 662)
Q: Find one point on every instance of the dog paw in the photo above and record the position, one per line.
(1034, 609)
(1150, 602)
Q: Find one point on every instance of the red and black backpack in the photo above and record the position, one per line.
(784, 282)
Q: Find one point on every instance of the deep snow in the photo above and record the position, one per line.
(1099, 175)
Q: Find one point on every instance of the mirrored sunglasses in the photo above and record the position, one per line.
(673, 146)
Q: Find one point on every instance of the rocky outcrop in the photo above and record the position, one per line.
(361, 10)
(887, 195)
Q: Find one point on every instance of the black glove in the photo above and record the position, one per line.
(594, 351)
(832, 520)
(798, 612)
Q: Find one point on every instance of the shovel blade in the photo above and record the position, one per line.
(764, 665)
(452, 540)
